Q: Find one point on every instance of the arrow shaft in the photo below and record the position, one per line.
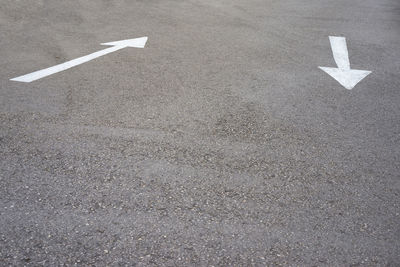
(64, 66)
(340, 52)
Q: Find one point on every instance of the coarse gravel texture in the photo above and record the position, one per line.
(219, 144)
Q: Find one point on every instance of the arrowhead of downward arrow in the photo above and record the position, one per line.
(137, 42)
(347, 78)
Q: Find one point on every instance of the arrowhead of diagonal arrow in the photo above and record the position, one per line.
(137, 42)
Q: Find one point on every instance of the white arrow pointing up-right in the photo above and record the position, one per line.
(115, 46)
(343, 73)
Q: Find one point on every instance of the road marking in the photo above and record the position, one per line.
(346, 76)
(118, 45)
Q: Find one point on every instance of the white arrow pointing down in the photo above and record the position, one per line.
(343, 73)
(137, 42)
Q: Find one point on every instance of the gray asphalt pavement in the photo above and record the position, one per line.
(221, 143)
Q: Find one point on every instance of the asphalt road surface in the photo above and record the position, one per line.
(220, 143)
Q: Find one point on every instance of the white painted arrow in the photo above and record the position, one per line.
(343, 73)
(137, 42)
